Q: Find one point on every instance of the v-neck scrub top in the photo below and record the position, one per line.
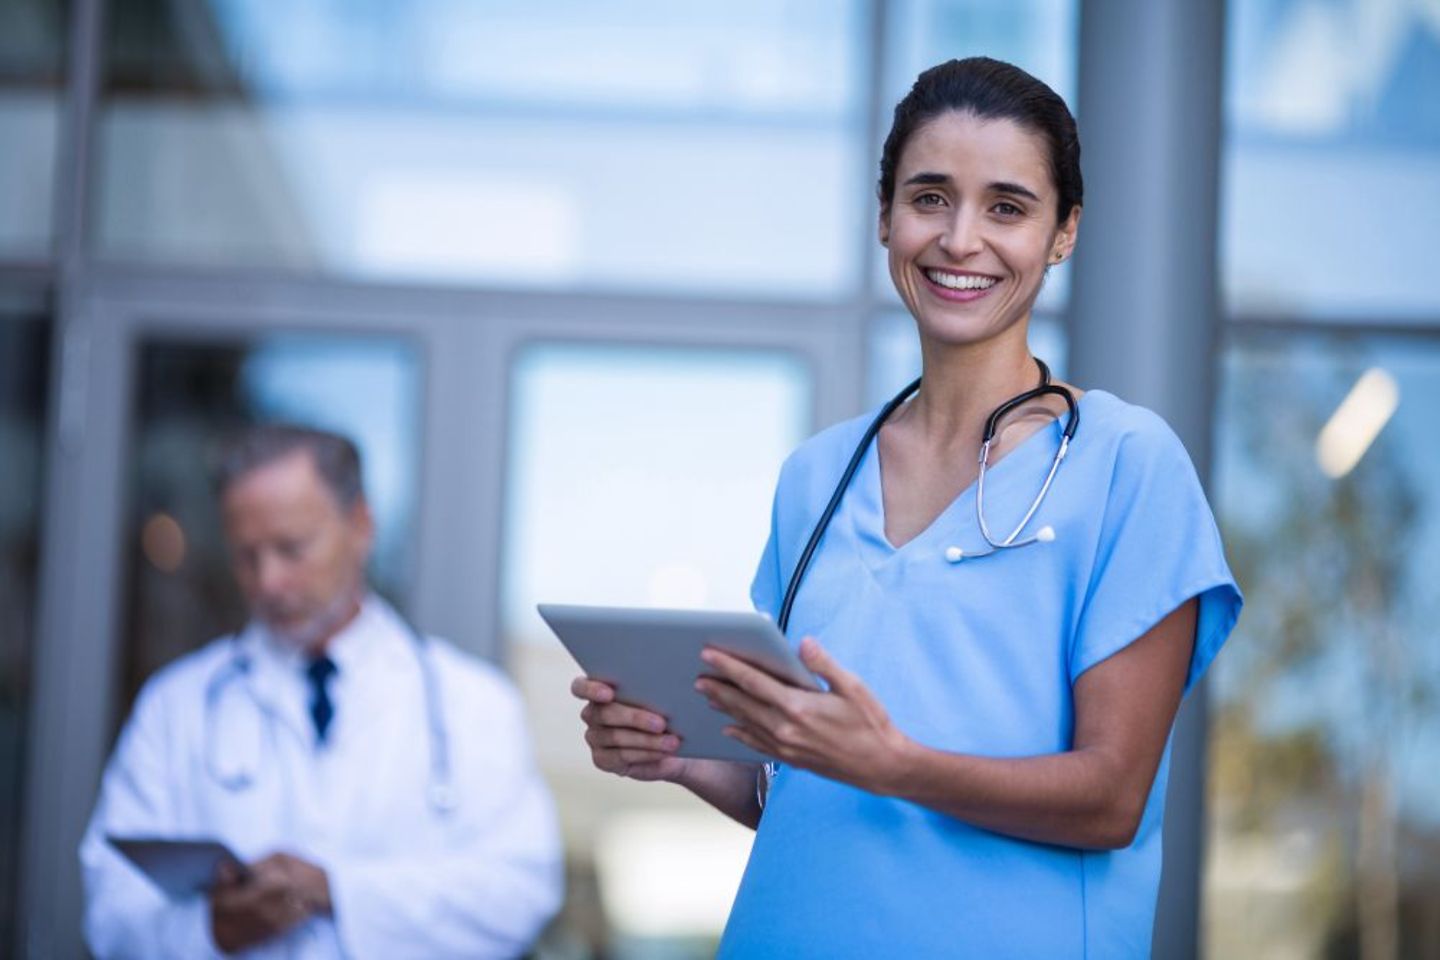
(977, 657)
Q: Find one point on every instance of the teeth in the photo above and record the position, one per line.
(957, 281)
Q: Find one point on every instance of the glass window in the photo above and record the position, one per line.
(24, 379)
(1036, 35)
(1331, 186)
(642, 477)
(636, 144)
(190, 396)
(1324, 830)
(32, 35)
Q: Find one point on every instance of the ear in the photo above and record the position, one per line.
(1064, 243)
(362, 525)
(884, 225)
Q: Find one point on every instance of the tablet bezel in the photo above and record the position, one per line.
(652, 658)
(179, 867)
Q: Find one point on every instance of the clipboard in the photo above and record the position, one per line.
(652, 659)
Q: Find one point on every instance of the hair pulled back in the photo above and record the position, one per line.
(990, 90)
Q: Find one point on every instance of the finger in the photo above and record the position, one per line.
(228, 873)
(584, 688)
(752, 680)
(619, 759)
(731, 700)
(646, 771)
(622, 715)
(611, 738)
(755, 741)
(629, 757)
(819, 662)
(269, 874)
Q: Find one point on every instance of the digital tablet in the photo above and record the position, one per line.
(652, 658)
(179, 867)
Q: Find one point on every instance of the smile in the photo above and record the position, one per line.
(960, 281)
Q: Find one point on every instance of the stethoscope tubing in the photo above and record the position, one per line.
(792, 588)
(440, 791)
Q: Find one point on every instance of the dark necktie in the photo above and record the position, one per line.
(322, 711)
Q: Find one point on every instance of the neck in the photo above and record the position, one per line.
(331, 623)
(962, 385)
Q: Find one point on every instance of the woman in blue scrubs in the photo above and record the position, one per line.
(985, 775)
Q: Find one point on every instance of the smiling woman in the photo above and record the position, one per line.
(984, 774)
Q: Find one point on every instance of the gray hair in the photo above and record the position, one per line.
(336, 457)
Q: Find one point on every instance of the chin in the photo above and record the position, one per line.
(965, 334)
(296, 634)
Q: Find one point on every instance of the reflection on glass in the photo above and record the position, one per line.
(1036, 35)
(32, 35)
(894, 352)
(190, 396)
(637, 144)
(637, 476)
(1324, 832)
(1332, 158)
(24, 369)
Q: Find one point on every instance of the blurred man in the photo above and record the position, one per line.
(378, 783)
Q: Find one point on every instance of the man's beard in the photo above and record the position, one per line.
(307, 636)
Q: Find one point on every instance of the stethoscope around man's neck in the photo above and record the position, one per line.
(440, 790)
(952, 554)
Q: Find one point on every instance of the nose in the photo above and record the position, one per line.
(270, 574)
(962, 236)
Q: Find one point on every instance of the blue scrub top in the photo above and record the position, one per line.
(977, 657)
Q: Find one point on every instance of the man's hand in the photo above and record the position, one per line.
(308, 880)
(277, 894)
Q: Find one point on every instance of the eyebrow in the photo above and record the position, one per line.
(1014, 189)
(999, 186)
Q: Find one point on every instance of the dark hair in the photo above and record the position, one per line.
(991, 90)
(336, 458)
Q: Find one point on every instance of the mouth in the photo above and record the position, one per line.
(959, 286)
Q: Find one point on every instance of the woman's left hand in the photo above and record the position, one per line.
(844, 733)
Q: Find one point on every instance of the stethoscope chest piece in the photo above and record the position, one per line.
(955, 554)
(442, 798)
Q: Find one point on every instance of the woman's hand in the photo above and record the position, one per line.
(624, 740)
(844, 734)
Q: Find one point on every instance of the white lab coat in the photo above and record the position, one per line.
(404, 880)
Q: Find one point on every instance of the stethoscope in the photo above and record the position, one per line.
(1045, 534)
(440, 791)
(952, 554)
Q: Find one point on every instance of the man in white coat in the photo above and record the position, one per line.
(378, 784)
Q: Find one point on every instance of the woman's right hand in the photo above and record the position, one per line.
(625, 740)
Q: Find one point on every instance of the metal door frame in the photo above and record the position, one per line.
(466, 340)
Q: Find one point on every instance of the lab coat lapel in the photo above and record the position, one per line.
(276, 685)
(373, 656)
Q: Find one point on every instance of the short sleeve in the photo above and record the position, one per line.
(765, 589)
(1158, 547)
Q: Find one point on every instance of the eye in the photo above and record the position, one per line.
(290, 549)
(1007, 209)
(929, 200)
